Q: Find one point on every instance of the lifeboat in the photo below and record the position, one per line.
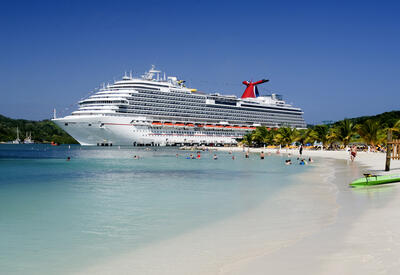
(209, 126)
(156, 123)
(179, 125)
(199, 125)
(190, 125)
(168, 124)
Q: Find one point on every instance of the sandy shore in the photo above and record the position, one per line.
(352, 231)
(374, 161)
(365, 238)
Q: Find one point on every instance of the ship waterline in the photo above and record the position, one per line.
(161, 111)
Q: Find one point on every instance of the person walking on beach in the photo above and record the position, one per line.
(353, 152)
(301, 149)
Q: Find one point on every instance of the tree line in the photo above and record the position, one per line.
(370, 131)
(44, 131)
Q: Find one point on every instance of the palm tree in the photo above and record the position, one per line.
(345, 131)
(286, 135)
(259, 135)
(270, 138)
(248, 139)
(306, 136)
(321, 133)
(331, 136)
(370, 132)
(396, 126)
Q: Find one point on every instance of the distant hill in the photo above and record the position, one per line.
(386, 119)
(42, 131)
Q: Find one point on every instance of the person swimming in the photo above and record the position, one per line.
(303, 162)
(310, 160)
(215, 157)
(288, 162)
(68, 158)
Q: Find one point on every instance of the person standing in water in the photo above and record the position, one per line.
(353, 152)
(262, 156)
(301, 149)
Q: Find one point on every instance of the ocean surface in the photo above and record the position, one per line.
(59, 216)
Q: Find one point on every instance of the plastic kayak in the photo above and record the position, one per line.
(369, 179)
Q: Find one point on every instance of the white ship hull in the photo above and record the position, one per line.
(136, 131)
(161, 111)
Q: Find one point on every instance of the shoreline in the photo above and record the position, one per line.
(373, 161)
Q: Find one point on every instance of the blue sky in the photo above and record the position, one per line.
(332, 59)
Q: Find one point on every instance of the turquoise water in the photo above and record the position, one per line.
(59, 216)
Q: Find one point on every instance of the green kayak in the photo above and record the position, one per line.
(369, 179)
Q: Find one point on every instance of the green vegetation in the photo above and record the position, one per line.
(42, 131)
(370, 131)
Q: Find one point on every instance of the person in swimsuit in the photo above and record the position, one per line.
(262, 156)
(353, 153)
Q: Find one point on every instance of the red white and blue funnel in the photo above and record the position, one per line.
(251, 90)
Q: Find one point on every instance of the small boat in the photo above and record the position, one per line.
(28, 139)
(15, 141)
(370, 179)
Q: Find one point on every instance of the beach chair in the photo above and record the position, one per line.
(368, 175)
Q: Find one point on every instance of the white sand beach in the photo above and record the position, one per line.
(348, 232)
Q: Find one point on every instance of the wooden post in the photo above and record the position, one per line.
(388, 150)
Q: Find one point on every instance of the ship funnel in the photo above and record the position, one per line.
(251, 90)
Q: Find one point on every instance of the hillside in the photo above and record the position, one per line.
(385, 120)
(42, 131)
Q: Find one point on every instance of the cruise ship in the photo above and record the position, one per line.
(155, 110)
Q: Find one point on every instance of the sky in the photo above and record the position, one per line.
(333, 59)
